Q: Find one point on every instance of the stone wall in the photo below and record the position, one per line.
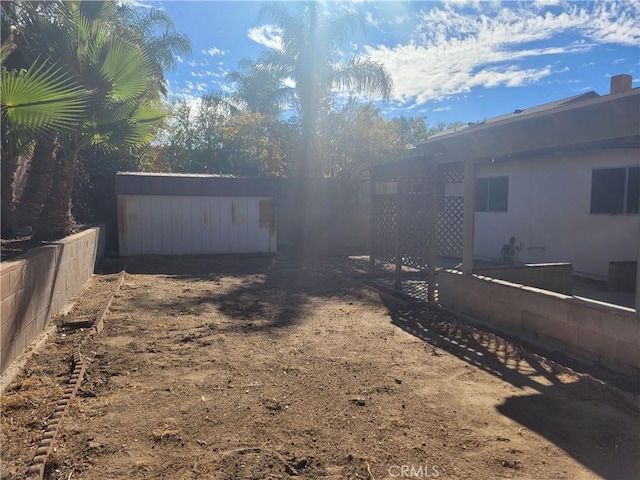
(37, 285)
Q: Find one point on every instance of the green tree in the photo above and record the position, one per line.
(37, 96)
(114, 57)
(310, 55)
(191, 138)
(154, 31)
(356, 137)
(442, 126)
(260, 89)
(411, 129)
(122, 110)
(256, 144)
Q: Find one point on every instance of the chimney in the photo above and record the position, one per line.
(620, 83)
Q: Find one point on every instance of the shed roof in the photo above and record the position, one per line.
(193, 184)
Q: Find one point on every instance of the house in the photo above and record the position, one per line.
(556, 187)
(559, 182)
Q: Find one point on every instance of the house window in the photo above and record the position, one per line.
(492, 194)
(615, 190)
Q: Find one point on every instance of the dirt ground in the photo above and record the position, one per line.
(258, 368)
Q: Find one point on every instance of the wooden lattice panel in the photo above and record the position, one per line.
(412, 213)
(385, 227)
(414, 219)
(451, 173)
(450, 226)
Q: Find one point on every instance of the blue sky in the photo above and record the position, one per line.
(450, 61)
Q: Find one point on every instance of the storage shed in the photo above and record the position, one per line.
(189, 214)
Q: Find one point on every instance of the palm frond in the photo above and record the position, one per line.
(127, 127)
(363, 76)
(41, 98)
(126, 66)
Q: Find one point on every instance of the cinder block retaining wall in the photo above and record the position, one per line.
(610, 334)
(38, 284)
(557, 277)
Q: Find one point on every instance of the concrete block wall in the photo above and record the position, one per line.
(37, 285)
(557, 277)
(608, 334)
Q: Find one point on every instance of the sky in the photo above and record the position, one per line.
(449, 61)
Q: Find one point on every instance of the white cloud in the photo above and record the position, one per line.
(179, 59)
(208, 73)
(369, 20)
(214, 51)
(443, 109)
(138, 4)
(268, 35)
(455, 49)
(548, 3)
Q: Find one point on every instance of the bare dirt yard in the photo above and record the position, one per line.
(262, 368)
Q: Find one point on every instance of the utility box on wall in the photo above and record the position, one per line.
(187, 214)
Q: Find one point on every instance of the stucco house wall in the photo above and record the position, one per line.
(549, 203)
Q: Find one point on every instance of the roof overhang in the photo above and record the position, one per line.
(610, 121)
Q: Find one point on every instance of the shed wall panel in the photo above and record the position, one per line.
(192, 225)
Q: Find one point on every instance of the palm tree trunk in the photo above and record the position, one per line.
(56, 219)
(39, 181)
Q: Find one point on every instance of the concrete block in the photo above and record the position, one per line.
(533, 322)
(60, 284)
(508, 313)
(5, 285)
(21, 341)
(9, 332)
(16, 277)
(41, 320)
(31, 330)
(562, 331)
(628, 353)
(7, 310)
(623, 327)
(587, 318)
(55, 306)
(552, 307)
(7, 356)
(40, 284)
(596, 343)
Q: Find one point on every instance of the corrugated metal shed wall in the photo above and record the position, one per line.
(191, 225)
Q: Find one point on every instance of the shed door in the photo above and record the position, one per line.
(184, 225)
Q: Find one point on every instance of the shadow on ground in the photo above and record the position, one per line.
(270, 291)
(579, 417)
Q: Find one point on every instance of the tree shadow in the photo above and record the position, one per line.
(580, 417)
(271, 292)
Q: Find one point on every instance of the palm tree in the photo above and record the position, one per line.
(310, 55)
(99, 75)
(260, 90)
(37, 97)
(154, 31)
(122, 110)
